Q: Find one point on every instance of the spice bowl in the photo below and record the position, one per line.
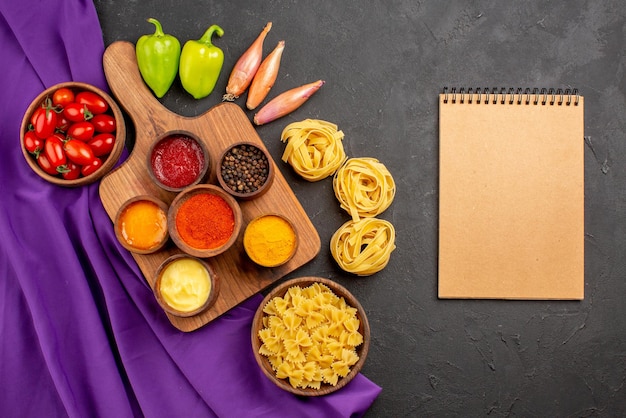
(141, 224)
(103, 118)
(204, 221)
(177, 160)
(270, 240)
(185, 286)
(245, 170)
(337, 344)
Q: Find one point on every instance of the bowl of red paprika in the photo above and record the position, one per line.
(72, 134)
(204, 221)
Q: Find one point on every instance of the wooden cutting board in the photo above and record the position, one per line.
(221, 126)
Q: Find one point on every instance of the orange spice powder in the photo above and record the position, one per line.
(143, 225)
(205, 221)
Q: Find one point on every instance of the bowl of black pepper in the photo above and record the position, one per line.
(245, 170)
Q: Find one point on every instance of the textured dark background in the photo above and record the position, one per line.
(384, 63)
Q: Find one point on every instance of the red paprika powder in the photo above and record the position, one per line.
(205, 221)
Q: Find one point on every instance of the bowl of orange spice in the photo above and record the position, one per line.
(141, 224)
(204, 220)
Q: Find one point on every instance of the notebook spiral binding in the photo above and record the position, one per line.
(511, 95)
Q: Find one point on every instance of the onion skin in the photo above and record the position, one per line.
(286, 102)
(246, 67)
(265, 77)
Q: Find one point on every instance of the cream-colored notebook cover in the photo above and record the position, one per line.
(511, 194)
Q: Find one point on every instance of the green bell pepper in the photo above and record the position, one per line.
(201, 63)
(158, 56)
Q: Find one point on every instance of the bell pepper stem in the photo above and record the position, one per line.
(206, 38)
(159, 29)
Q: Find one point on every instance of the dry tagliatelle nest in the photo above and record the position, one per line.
(364, 187)
(363, 247)
(314, 148)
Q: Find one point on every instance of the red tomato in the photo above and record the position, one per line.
(79, 152)
(62, 96)
(91, 168)
(82, 131)
(104, 123)
(62, 122)
(33, 143)
(46, 166)
(60, 135)
(72, 171)
(102, 144)
(94, 102)
(44, 121)
(76, 112)
(53, 150)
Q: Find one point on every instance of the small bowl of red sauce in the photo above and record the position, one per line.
(178, 160)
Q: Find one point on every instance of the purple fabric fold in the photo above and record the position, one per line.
(81, 332)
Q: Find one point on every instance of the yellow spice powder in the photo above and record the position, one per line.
(143, 224)
(269, 240)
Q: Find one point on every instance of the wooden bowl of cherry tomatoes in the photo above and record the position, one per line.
(72, 134)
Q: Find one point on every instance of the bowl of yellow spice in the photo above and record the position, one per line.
(270, 240)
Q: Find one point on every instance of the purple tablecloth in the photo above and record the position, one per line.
(81, 332)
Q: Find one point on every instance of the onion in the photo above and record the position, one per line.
(246, 67)
(265, 77)
(286, 102)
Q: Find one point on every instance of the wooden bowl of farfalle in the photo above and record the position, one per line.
(310, 336)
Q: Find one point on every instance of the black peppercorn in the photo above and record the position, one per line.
(244, 168)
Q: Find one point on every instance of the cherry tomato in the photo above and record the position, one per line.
(33, 143)
(82, 131)
(46, 166)
(62, 96)
(60, 135)
(44, 121)
(91, 168)
(102, 144)
(53, 150)
(76, 112)
(72, 171)
(94, 102)
(62, 122)
(104, 123)
(78, 152)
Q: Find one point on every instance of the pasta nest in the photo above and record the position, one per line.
(314, 148)
(364, 187)
(363, 247)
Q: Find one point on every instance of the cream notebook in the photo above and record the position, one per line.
(511, 194)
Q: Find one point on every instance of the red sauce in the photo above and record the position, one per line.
(177, 161)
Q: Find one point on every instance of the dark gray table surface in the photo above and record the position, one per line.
(384, 63)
